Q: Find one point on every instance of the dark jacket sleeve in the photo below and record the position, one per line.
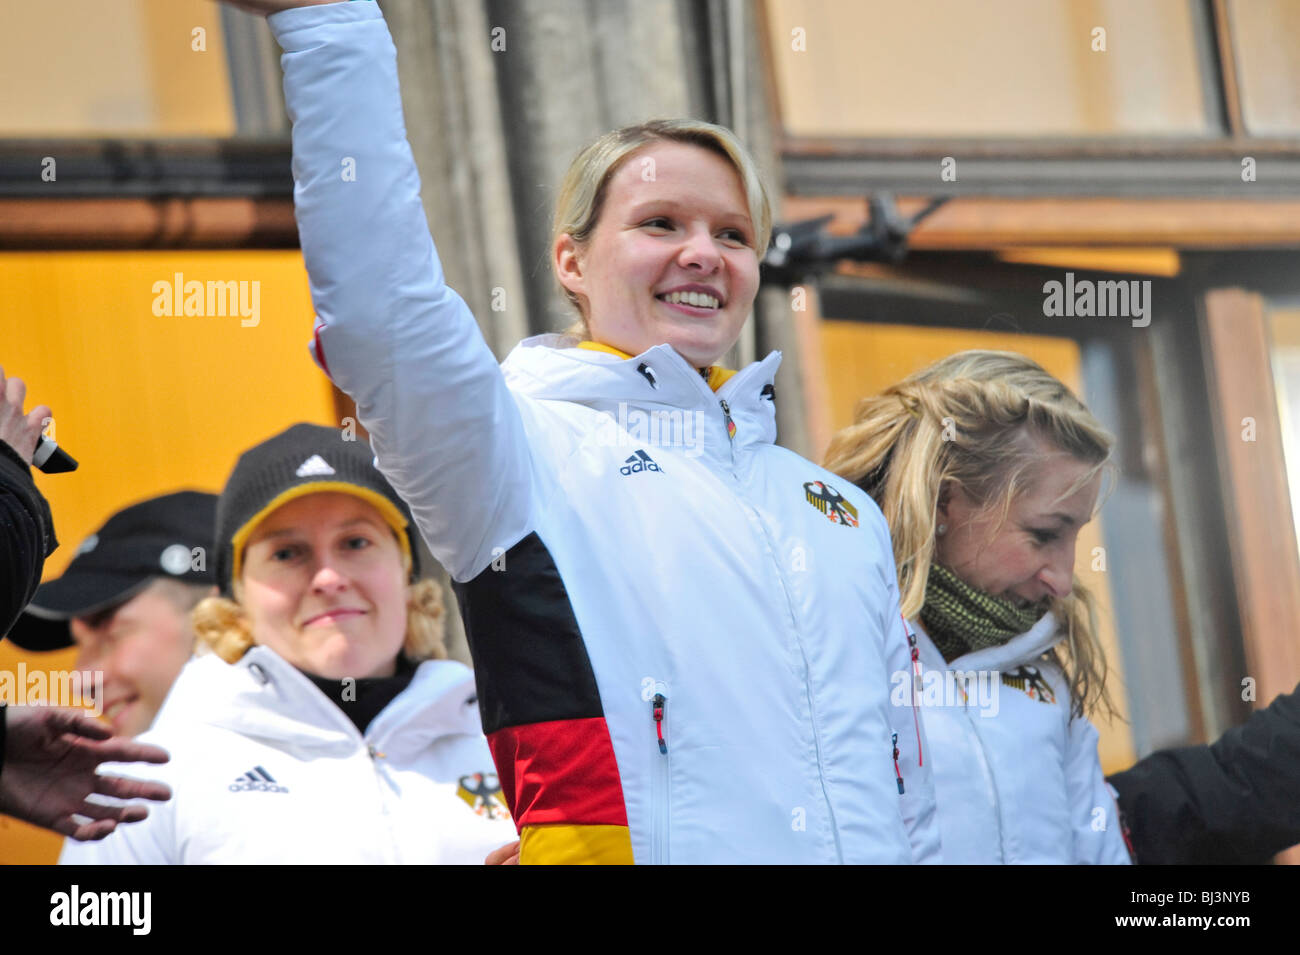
(1234, 801)
(26, 536)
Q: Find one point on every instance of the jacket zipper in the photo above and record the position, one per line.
(794, 626)
(794, 622)
(916, 702)
(660, 779)
(988, 771)
(993, 784)
(731, 425)
(916, 687)
(979, 745)
(376, 755)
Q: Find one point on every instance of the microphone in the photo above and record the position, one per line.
(51, 459)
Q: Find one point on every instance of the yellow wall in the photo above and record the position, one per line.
(865, 359)
(147, 404)
(956, 68)
(121, 67)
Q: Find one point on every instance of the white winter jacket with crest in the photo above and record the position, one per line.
(1016, 777)
(266, 770)
(682, 633)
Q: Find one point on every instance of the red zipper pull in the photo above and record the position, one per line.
(898, 773)
(657, 710)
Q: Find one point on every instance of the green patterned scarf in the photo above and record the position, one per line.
(961, 619)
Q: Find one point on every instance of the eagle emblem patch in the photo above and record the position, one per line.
(1030, 682)
(831, 503)
(482, 791)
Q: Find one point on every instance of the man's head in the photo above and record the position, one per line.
(139, 646)
(125, 599)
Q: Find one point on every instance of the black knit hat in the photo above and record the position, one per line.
(305, 459)
(168, 536)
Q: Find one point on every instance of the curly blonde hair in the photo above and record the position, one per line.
(977, 420)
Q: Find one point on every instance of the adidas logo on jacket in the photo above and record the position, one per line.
(265, 770)
(638, 462)
(683, 663)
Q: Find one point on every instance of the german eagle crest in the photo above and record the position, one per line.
(831, 503)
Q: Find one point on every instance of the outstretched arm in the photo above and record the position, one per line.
(51, 755)
(1234, 801)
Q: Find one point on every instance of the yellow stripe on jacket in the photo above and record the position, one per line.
(575, 845)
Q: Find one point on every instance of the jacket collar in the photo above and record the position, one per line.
(1024, 648)
(264, 697)
(715, 376)
(553, 368)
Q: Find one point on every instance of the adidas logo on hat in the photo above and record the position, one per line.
(640, 461)
(303, 459)
(314, 465)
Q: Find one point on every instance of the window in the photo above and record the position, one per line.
(1011, 68)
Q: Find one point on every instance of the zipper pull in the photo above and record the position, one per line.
(657, 711)
(898, 773)
(726, 414)
(916, 665)
(917, 698)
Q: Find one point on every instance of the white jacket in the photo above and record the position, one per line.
(1017, 780)
(265, 769)
(619, 556)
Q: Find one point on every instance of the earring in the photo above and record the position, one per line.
(941, 529)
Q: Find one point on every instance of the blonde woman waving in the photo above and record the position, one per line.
(682, 633)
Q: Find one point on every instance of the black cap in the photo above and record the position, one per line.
(305, 459)
(168, 536)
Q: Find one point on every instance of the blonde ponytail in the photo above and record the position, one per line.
(978, 421)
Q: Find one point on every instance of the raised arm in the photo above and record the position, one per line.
(444, 427)
(28, 536)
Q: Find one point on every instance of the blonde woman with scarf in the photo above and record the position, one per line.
(986, 468)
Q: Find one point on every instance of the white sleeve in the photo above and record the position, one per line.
(918, 802)
(389, 332)
(148, 842)
(1094, 817)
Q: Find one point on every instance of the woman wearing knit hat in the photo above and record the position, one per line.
(986, 467)
(327, 688)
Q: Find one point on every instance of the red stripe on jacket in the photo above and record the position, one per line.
(561, 771)
(320, 349)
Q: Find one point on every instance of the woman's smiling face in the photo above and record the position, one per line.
(324, 586)
(671, 258)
